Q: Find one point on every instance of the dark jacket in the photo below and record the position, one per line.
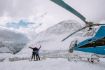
(35, 50)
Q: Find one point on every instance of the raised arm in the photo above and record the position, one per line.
(30, 47)
(39, 47)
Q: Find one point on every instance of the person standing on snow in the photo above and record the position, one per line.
(35, 53)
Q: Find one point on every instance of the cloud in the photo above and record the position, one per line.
(92, 9)
(18, 8)
(33, 10)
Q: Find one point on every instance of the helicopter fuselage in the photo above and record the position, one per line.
(95, 44)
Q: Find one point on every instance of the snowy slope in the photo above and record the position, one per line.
(11, 41)
(51, 38)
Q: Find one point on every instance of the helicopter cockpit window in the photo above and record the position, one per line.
(89, 39)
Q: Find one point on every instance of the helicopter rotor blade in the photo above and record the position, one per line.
(69, 8)
(74, 33)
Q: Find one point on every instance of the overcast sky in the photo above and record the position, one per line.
(48, 13)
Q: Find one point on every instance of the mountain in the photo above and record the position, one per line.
(50, 39)
(11, 41)
(64, 27)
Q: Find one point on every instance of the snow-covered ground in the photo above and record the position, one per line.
(51, 64)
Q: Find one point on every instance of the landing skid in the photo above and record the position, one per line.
(80, 57)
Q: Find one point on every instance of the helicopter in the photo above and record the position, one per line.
(96, 44)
